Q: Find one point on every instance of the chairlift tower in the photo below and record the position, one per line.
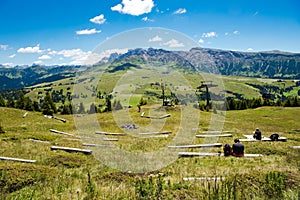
(205, 85)
(166, 102)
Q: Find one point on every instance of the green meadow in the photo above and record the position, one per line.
(65, 175)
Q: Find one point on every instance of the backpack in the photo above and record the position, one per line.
(227, 150)
(274, 137)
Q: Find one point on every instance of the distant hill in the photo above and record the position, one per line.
(13, 78)
(272, 64)
(154, 57)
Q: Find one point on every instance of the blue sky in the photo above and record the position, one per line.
(66, 31)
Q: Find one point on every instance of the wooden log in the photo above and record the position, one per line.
(199, 154)
(155, 136)
(110, 139)
(156, 133)
(95, 145)
(60, 119)
(17, 159)
(194, 154)
(214, 132)
(197, 146)
(155, 117)
(25, 114)
(263, 139)
(203, 178)
(63, 133)
(296, 147)
(164, 116)
(40, 141)
(69, 149)
(217, 135)
(108, 133)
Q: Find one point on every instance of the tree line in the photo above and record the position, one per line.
(243, 104)
(48, 107)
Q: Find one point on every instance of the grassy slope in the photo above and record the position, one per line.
(61, 175)
(106, 82)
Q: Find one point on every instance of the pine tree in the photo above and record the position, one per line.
(66, 110)
(287, 103)
(81, 109)
(10, 103)
(278, 102)
(295, 102)
(48, 107)
(108, 104)
(20, 101)
(93, 109)
(2, 102)
(28, 104)
(72, 108)
(36, 106)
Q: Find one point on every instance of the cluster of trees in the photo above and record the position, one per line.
(22, 102)
(116, 105)
(233, 104)
(47, 106)
(237, 104)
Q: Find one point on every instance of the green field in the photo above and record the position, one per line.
(63, 175)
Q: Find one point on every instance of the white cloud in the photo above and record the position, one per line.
(77, 56)
(12, 56)
(201, 41)
(35, 49)
(249, 49)
(155, 39)
(3, 46)
(209, 35)
(134, 7)
(100, 19)
(69, 53)
(226, 33)
(174, 43)
(146, 19)
(236, 32)
(45, 57)
(117, 7)
(80, 57)
(87, 31)
(180, 11)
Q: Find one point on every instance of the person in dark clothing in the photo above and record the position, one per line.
(227, 150)
(257, 134)
(274, 137)
(237, 148)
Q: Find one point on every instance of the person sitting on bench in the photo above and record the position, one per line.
(257, 134)
(227, 150)
(237, 148)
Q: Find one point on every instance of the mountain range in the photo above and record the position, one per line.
(272, 64)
